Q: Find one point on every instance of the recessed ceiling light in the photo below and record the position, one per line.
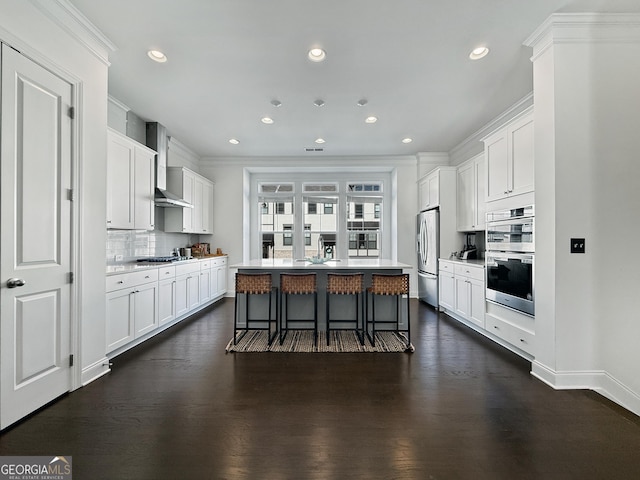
(234, 141)
(371, 119)
(362, 102)
(407, 140)
(317, 54)
(267, 120)
(478, 53)
(157, 56)
(319, 103)
(320, 140)
(276, 103)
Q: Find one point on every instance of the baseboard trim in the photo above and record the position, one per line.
(95, 371)
(597, 380)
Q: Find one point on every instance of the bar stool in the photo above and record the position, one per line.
(388, 285)
(297, 284)
(346, 284)
(249, 284)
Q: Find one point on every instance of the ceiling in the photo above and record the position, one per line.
(229, 59)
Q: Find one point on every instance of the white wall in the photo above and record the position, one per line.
(587, 119)
(37, 33)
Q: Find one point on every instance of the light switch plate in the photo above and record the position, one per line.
(577, 245)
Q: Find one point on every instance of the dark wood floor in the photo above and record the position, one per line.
(460, 407)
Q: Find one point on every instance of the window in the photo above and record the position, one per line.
(307, 234)
(287, 236)
(276, 227)
(335, 218)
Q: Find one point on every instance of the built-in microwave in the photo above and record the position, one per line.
(509, 280)
(511, 230)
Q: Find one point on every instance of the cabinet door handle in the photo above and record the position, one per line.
(120, 281)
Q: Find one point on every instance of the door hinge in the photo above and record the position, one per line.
(71, 360)
(70, 277)
(71, 195)
(72, 113)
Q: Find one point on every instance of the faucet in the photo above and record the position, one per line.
(320, 247)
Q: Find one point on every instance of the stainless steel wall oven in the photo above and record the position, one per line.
(510, 258)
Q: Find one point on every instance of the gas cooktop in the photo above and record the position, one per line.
(169, 259)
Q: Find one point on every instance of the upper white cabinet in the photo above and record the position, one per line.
(509, 157)
(471, 197)
(196, 190)
(130, 183)
(433, 186)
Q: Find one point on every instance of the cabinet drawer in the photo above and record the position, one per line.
(125, 280)
(166, 272)
(218, 262)
(475, 272)
(185, 268)
(516, 336)
(205, 264)
(446, 266)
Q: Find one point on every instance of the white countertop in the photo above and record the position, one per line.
(350, 264)
(478, 262)
(138, 266)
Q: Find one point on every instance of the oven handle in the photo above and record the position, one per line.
(510, 221)
(504, 256)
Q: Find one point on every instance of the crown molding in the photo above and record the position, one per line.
(71, 20)
(573, 28)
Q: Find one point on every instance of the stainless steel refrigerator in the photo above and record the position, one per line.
(428, 249)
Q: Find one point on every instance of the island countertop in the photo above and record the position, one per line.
(347, 264)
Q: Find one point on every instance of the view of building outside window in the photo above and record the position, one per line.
(318, 222)
(363, 226)
(276, 228)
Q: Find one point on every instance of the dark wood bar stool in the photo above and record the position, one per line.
(249, 284)
(346, 284)
(387, 285)
(297, 284)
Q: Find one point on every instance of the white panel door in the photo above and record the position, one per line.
(35, 243)
(166, 301)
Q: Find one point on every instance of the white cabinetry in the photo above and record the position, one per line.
(205, 281)
(132, 306)
(510, 159)
(130, 183)
(470, 195)
(434, 187)
(140, 302)
(166, 294)
(218, 276)
(462, 291)
(196, 190)
(470, 296)
(447, 287)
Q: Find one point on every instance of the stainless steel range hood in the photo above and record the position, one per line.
(158, 140)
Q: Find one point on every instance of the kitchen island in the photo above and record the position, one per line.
(339, 306)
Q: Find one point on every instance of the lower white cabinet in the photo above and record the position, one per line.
(462, 290)
(447, 287)
(139, 302)
(132, 307)
(166, 295)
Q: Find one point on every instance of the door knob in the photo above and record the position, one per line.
(15, 282)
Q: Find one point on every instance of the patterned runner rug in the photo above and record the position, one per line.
(302, 342)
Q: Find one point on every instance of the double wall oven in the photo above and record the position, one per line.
(509, 256)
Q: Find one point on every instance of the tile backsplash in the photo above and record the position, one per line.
(133, 244)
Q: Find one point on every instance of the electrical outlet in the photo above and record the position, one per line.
(577, 245)
(119, 258)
